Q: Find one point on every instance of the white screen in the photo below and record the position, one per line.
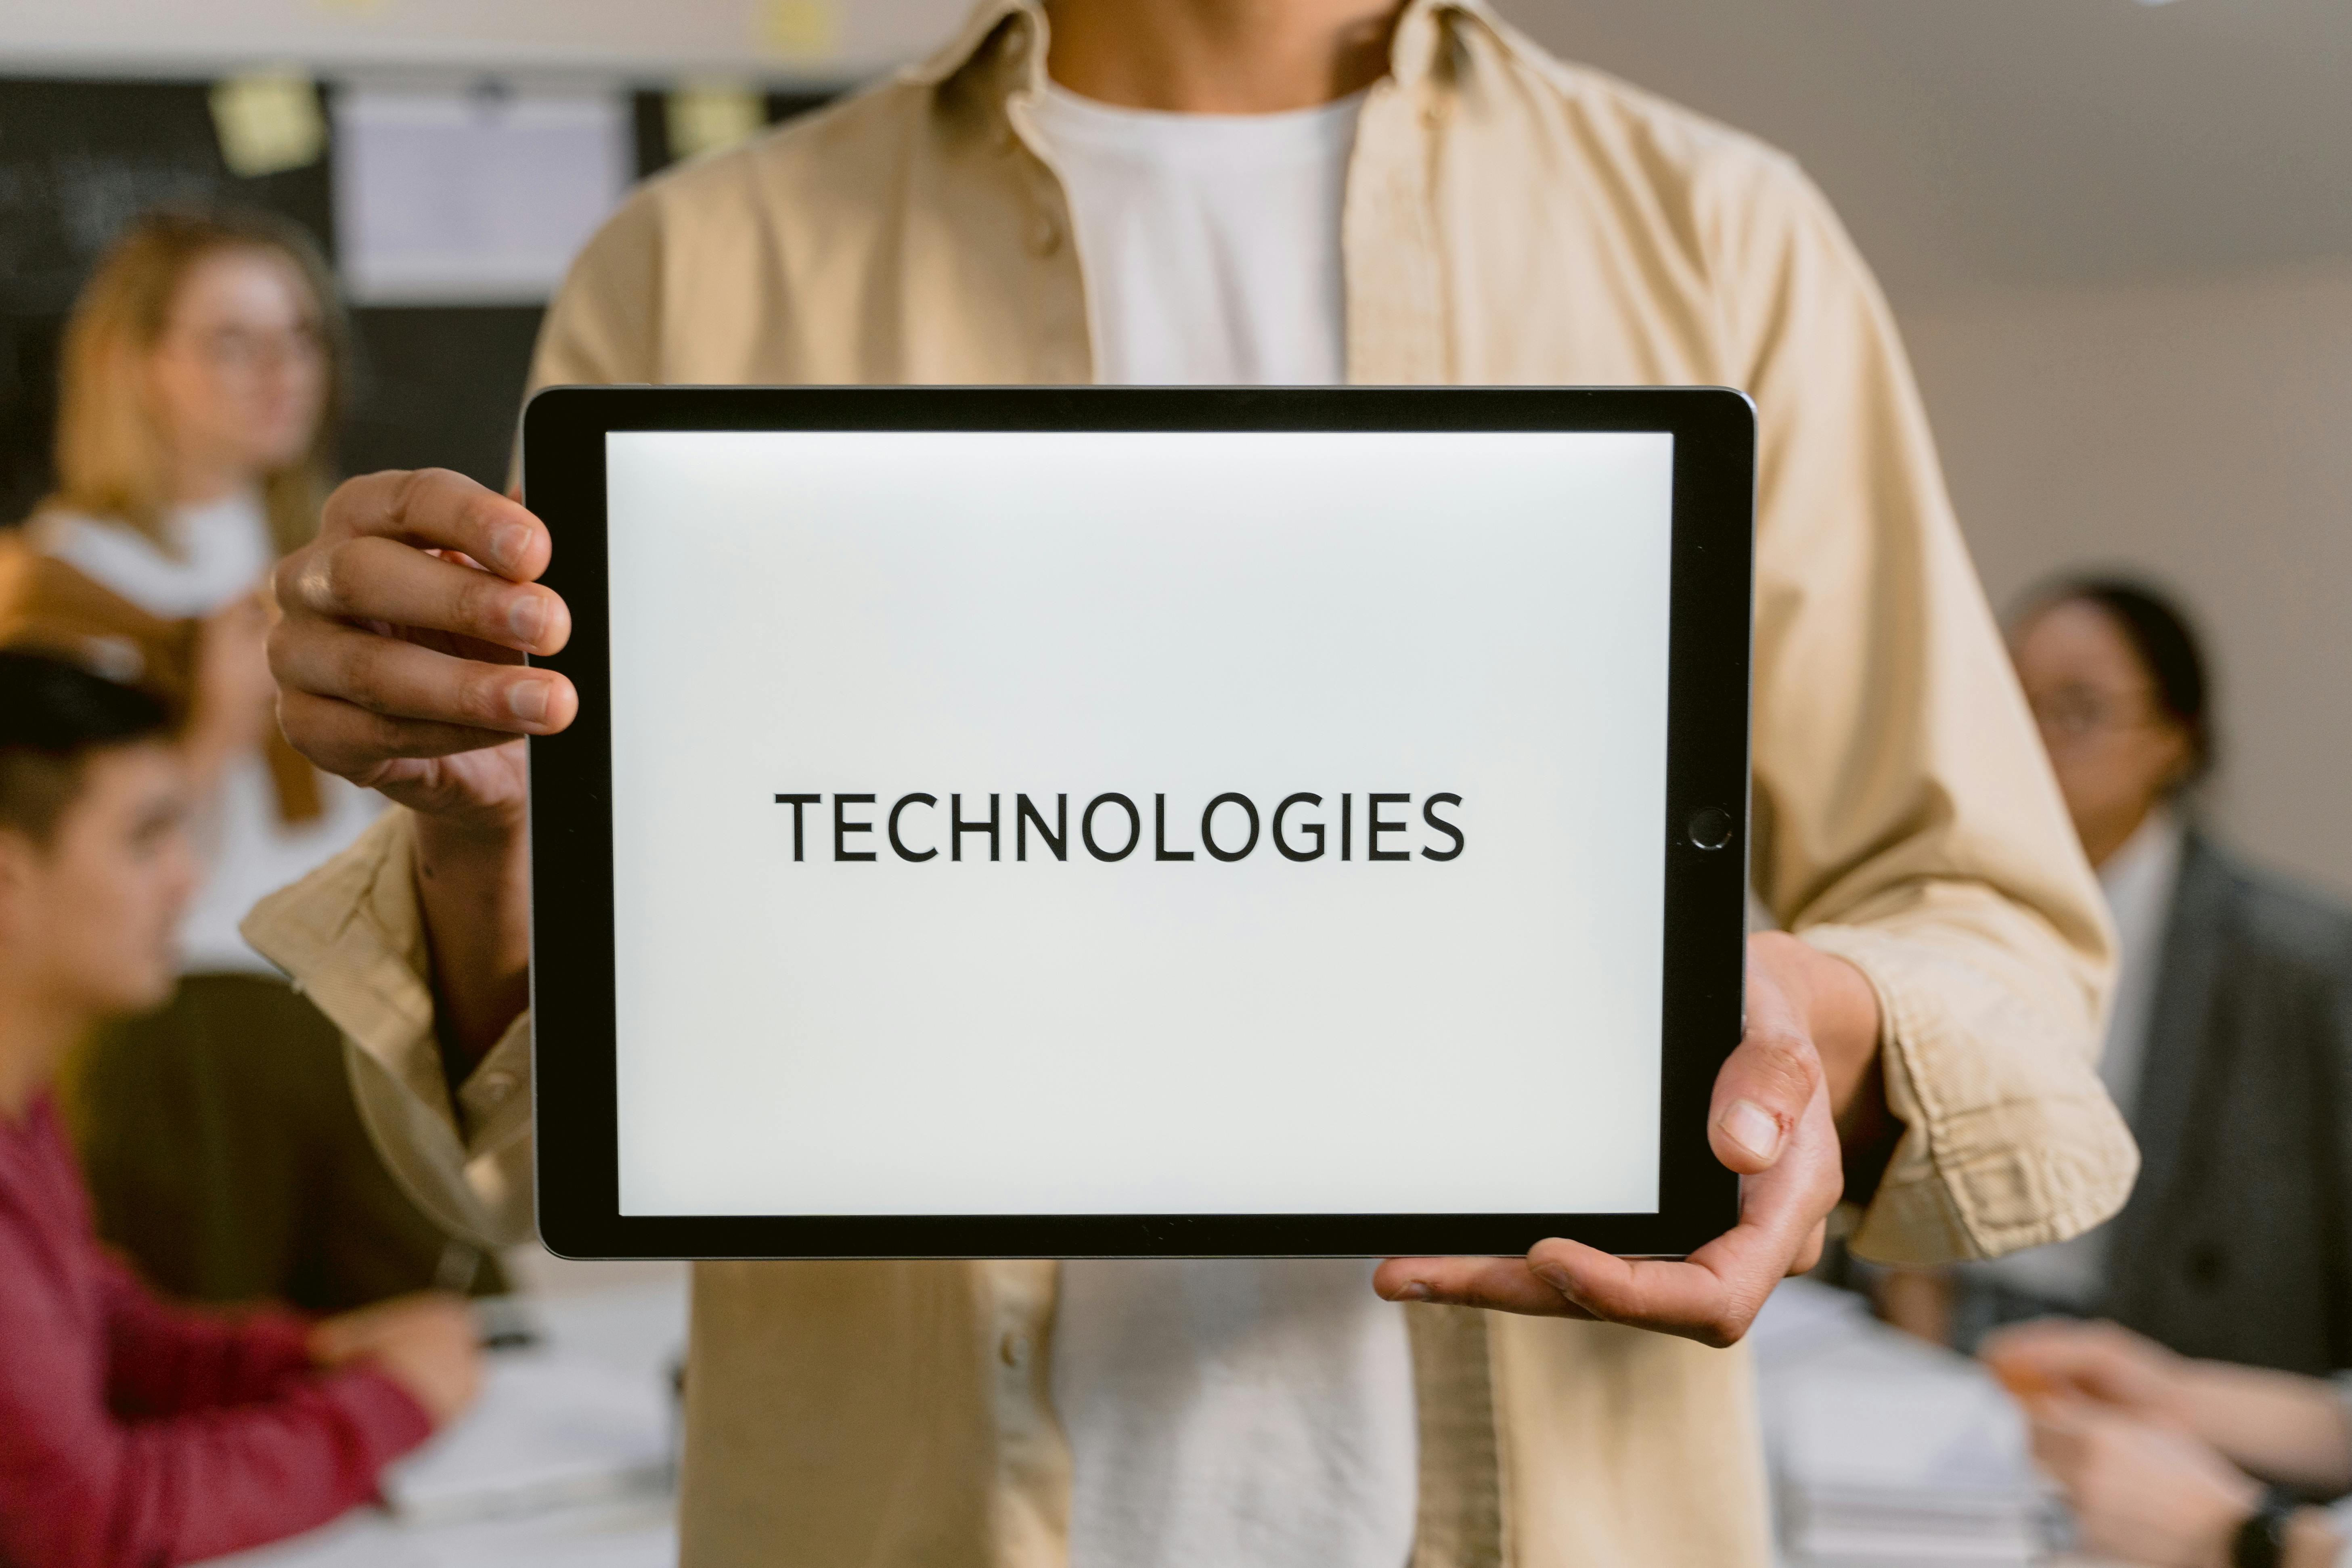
(1177, 614)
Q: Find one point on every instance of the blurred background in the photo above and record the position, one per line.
(2118, 238)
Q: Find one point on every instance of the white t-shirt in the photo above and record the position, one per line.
(1249, 1415)
(1209, 242)
(225, 551)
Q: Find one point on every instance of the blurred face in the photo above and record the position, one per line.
(2114, 749)
(90, 920)
(239, 376)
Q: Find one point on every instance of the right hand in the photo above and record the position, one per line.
(427, 1343)
(398, 653)
(2104, 1363)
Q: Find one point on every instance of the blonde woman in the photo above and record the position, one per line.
(203, 375)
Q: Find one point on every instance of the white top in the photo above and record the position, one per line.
(1209, 242)
(2138, 881)
(1250, 1415)
(225, 551)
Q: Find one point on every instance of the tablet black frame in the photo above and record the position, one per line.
(574, 1082)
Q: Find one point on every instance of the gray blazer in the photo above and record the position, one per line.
(2236, 1242)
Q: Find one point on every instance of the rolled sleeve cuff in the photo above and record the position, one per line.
(351, 938)
(2010, 1140)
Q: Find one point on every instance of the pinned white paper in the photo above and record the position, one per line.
(473, 198)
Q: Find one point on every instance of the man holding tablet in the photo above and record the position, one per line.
(1325, 190)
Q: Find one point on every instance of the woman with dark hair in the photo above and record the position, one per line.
(2229, 1047)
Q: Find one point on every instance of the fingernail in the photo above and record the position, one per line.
(527, 618)
(528, 700)
(1753, 1128)
(1553, 1274)
(507, 543)
(1412, 1290)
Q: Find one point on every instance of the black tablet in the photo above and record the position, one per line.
(1095, 822)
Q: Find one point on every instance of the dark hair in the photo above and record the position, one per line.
(2168, 647)
(53, 714)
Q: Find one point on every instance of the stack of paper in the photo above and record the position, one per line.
(1918, 1471)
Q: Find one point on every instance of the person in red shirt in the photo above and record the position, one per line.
(133, 1431)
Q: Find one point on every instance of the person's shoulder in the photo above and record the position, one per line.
(1676, 145)
(2282, 916)
(729, 219)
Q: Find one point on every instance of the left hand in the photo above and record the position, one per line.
(428, 1343)
(1771, 1122)
(2141, 1492)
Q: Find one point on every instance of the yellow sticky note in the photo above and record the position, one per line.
(703, 117)
(268, 123)
(800, 29)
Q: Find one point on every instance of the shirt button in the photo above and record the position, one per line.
(1014, 1349)
(1045, 236)
(497, 1086)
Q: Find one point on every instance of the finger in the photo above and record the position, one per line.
(1808, 1257)
(1503, 1284)
(1765, 1085)
(1714, 1295)
(372, 579)
(1685, 1298)
(370, 749)
(434, 509)
(399, 679)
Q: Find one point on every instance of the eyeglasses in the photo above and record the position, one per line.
(2072, 714)
(241, 351)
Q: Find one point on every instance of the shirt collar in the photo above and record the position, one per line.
(1411, 51)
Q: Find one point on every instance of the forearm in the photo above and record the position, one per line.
(473, 890)
(2275, 1425)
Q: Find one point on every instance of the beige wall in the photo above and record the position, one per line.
(2199, 431)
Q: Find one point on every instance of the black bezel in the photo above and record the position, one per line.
(563, 432)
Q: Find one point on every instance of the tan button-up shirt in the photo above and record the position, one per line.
(1508, 219)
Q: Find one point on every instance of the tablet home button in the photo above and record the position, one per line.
(1710, 827)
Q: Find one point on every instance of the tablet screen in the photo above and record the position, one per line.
(1154, 823)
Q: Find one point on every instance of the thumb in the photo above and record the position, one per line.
(1766, 1087)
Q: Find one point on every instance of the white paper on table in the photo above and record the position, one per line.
(1954, 1433)
(549, 1428)
(451, 198)
(1801, 1315)
(1930, 1468)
